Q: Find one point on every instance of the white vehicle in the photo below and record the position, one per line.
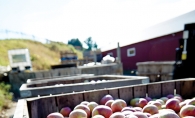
(19, 59)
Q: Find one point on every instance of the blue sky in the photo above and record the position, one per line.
(106, 21)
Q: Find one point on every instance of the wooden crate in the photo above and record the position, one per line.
(40, 107)
(76, 84)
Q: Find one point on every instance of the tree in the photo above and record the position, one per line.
(91, 45)
(75, 42)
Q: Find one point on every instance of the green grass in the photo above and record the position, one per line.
(5, 96)
(42, 55)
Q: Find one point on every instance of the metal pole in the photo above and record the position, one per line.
(118, 53)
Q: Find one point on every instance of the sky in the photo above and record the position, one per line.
(106, 21)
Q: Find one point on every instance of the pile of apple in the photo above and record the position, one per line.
(171, 106)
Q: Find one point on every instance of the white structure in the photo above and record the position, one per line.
(20, 59)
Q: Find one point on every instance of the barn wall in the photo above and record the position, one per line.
(156, 49)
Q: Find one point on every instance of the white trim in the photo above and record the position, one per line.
(128, 52)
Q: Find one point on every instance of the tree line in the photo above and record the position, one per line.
(89, 42)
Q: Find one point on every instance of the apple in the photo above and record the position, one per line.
(168, 115)
(92, 105)
(170, 96)
(102, 110)
(128, 109)
(166, 110)
(157, 103)
(138, 108)
(84, 102)
(140, 114)
(148, 99)
(155, 116)
(105, 99)
(147, 114)
(117, 115)
(78, 113)
(98, 116)
(117, 105)
(164, 99)
(55, 115)
(151, 109)
(134, 102)
(181, 104)
(85, 108)
(161, 101)
(187, 110)
(179, 98)
(131, 116)
(173, 104)
(65, 111)
(142, 102)
(126, 112)
(109, 102)
(191, 101)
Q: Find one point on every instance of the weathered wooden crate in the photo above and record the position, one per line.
(40, 107)
(76, 84)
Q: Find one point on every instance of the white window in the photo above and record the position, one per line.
(111, 54)
(131, 52)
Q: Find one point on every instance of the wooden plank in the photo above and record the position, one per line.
(126, 94)
(139, 91)
(69, 100)
(48, 105)
(187, 89)
(168, 88)
(34, 109)
(38, 75)
(114, 93)
(178, 87)
(95, 95)
(154, 90)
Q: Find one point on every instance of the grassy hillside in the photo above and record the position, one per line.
(42, 55)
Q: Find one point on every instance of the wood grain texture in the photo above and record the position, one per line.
(154, 90)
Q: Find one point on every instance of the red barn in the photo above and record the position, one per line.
(158, 43)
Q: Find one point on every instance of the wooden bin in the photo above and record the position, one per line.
(42, 88)
(40, 107)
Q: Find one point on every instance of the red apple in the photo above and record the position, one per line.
(102, 110)
(92, 105)
(151, 109)
(138, 108)
(128, 109)
(118, 105)
(173, 104)
(140, 114)
(105, 99)
(131, 116)
(147, 114)
(187, 110)
(161, 101)
(65, 111)
(148, 99)
(55, 115)
(179, 98)
(142, 102)
(78, 113)
(126, 112)
(85, 108)
(117, 115)
(168, 115)
(155, 116)
(109, 102)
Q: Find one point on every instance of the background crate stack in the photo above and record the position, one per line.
(156, 71)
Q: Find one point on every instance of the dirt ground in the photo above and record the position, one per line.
(8, 113)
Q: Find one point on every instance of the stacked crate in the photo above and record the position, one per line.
(156, 71)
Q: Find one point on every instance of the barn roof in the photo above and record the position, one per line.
(168, 27)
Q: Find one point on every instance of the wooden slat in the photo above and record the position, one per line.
(95, 95)
(168, 88)
(178, 87)
(154, 90)
(139, 91)
(47, 105)
(69, 100)
(34, 108)
(187, 88)
(126, 94)
(114, 93)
